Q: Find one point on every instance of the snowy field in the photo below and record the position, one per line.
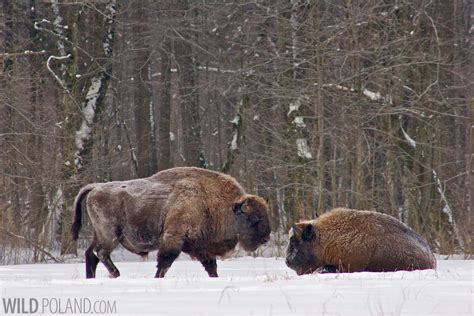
(247, 286)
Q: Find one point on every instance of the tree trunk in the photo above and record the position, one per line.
(143, 109)
(164, 112)
(189, 95)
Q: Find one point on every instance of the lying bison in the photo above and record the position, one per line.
(346, 240)
(200, 212)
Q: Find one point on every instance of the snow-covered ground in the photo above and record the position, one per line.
(247, 286)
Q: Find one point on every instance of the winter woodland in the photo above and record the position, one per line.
(314, 104)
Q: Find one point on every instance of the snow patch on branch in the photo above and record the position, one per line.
(58, 29)
(294, 107)
(202, 68)
(215, 69)
(235, 133)
(299, 121)
(374, 96)
(235, 120)
(48, 65)
(233, 143)
(107, 44)
(337, 86)
(409, 140)
(303, 148)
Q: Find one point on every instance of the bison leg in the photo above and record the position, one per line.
(91, 262)
(327, 268)
(171, 244)
(104, 257)
(211, 267)
(165, 260)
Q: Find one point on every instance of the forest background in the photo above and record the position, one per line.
(364, 104)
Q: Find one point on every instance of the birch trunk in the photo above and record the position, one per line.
(90, 108)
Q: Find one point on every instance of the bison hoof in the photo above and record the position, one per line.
(160, 273)
(114, 274)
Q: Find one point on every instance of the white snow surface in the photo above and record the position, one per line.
(246, 286)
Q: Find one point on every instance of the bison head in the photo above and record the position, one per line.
(253, 225)
(300, 255)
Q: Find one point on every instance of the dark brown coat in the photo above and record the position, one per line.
(347, 240)
(201, 212)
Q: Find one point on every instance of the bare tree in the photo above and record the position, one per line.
(362, 104)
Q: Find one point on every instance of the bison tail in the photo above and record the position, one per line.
(76, 225)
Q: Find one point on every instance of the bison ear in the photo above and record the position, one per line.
(309, 232)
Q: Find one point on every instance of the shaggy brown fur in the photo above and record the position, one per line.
(201, 212)
(351, 241)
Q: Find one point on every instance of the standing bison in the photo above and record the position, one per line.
(200, 212)
(351, 241)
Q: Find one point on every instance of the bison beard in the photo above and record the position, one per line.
(197, 211)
